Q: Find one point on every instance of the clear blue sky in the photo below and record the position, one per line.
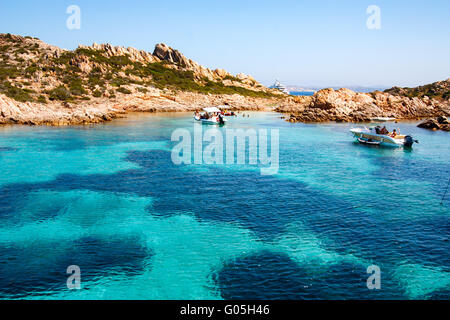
(318, 43)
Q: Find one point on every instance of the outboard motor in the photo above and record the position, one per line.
(221, 119)
(408, 141)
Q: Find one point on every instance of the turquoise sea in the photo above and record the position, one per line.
(301, 93)
(109, 199)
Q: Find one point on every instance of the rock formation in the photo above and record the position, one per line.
(166, 53)
(440, 123)
(347, 105)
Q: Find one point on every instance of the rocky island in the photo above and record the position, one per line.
(44, 84)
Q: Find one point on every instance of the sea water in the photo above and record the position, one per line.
(108, 199)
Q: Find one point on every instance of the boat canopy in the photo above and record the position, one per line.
(211, 109)
(222, 107)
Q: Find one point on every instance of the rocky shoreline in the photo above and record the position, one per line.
(345, 105)
(326, 105)
(103, 109)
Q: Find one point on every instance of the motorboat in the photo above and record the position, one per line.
(375, 136)
(210, 115)
(278, 86)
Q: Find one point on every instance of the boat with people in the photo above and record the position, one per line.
(210, 115)
(225, 112)
(377, 136)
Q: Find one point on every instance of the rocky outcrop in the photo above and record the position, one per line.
(134, 54)
(103, 109)
(55, 114)
(166, 53)
(440, 123)
(347, 105)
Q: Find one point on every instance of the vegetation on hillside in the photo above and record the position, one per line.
(437, 90)
(29, 73)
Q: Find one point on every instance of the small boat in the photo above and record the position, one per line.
(372, 136)
(211, 115)
(382, 119)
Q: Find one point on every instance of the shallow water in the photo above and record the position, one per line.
(109, 199)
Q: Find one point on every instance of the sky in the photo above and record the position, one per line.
(308, 43)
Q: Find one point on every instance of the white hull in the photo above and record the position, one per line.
(213, 120)
(365, 136)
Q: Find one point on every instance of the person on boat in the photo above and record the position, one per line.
(394, 133)
(384, 130)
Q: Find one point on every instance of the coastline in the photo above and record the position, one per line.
(325, 106)
(102, 110)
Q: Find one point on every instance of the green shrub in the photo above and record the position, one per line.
(64, 58)
(232, 78)
(164, 77)
(41, 99)
(123, 90)
(95, 80)
(60, 93)
(32, 69)
(4, 48)
(117, 62)
(141, 89)
(21, 51)
(8, 72)
(75, 84)
(446, 95)
(119, 81)
(16, 93)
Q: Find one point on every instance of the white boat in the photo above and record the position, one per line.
(211, 115)
(383, 119)
(372, 136)
(277, 85)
